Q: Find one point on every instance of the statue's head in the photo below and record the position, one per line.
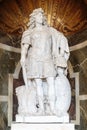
(37, 16)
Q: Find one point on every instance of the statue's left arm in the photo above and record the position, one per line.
(60, 48)
(64, 48)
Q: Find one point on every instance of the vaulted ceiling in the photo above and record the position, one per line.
(67, 16)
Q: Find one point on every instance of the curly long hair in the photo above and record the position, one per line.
(32, 22)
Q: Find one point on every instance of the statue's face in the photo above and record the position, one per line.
(39, 18)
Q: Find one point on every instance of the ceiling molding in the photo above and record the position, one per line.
(9, 48)
(18, 50)
(67, 16)
(79, 46)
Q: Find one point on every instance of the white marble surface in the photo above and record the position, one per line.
(42, 119)
(44, 55)
(45, 126)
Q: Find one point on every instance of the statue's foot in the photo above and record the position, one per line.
(61, 114)
(52, 112)
(40, 112)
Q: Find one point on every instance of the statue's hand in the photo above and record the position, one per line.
(22, 61)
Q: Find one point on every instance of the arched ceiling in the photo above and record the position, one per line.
(67, 16)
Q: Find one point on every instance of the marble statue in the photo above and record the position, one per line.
(44, 56)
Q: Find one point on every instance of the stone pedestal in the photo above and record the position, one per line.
(42, 126)
(41, 119)
(41, 123)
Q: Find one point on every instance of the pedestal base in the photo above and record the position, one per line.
(42, 123)
(41, 119)
(41, 126)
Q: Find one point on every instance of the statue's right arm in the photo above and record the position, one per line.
(25, 42)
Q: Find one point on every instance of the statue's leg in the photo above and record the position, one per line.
(40, 95)
(29, 83)
(51, 93)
